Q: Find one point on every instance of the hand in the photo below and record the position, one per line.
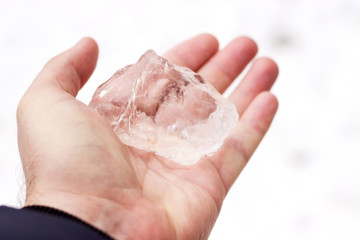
(73, 161)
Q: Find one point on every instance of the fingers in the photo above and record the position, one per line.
(260, 77)
(241, 144)
(194, 52)
(228, 63)
(70, 70)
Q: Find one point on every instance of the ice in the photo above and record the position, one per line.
(163, 108)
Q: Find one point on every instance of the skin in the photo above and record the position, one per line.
(73, 161)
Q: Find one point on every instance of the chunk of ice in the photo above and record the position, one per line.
(160, 107)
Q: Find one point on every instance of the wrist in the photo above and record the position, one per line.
(122, 218)
(89, 210)
(61, 214)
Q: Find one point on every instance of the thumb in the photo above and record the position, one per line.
(68, 71)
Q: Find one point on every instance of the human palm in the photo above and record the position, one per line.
(74, 161)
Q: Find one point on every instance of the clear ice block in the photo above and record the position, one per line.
(163, 108)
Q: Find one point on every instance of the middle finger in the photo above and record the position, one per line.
(228, 63)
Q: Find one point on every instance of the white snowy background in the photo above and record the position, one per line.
(304, 180)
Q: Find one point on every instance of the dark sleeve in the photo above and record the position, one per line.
(44, 223)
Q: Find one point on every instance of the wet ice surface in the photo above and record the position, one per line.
(159, 107)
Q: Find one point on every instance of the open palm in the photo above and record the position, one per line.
(74, 161)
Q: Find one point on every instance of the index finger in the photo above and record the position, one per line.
(193, 53)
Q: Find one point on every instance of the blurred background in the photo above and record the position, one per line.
(304, 180)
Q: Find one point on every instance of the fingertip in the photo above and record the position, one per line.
(270, 101)
(85, 40)
(89, 45)
(261, 112)
(269, 67)
(194, 52)
(270, 105)
(71, 69)
(86, 52)
(209, 41)
(229, 62)
(251, 42)
(245, 42)
(266, 101)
